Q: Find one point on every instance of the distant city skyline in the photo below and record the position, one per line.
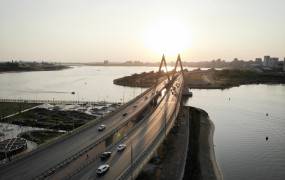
(93, 31)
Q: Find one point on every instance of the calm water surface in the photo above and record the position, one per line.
(241, 126)
(89, 83)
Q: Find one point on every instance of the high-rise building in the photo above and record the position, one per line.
(258, 61)
(273, 63)
(266, 60)
(284, 65)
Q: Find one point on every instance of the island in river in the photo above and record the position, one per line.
(19, 66)
(206, 79)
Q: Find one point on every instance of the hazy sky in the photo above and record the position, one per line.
(119, 30)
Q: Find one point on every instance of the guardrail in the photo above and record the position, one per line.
(133, 170)
(60, 165)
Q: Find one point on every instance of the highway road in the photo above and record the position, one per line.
(137, 142)
(33, 164)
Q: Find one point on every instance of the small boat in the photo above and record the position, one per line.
(72, 92)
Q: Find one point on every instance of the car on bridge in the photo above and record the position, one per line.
(105, 155)
(102, 169)
(121, 147)
(102, 127)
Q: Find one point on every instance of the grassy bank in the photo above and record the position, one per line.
(51, 119)
(19, 66)
(145, 79)
(39, 136)
(221, 79)
(7, 108)
(207, 79)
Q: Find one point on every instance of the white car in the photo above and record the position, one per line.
(121, 147)
(102, 127)
(101, 170)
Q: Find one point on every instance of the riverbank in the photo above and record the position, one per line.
(187, 152)
(19, 66)
(201, 162)
(207, 79)
(145, 79)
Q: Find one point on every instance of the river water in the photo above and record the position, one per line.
(88, 83)
(241, 126)
(239, 113)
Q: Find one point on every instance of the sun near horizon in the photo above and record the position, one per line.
(168, 36)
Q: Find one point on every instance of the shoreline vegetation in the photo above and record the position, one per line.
(9, 108)
(19, 66)
(206, 79)
(56, 119)
(50, 119)
(40, 136)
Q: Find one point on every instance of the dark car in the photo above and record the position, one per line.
(105, 155)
